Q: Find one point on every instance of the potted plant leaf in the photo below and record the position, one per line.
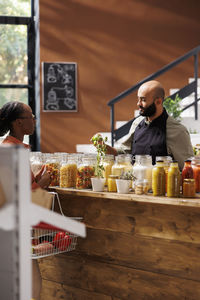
(98, 181)
(124, 182)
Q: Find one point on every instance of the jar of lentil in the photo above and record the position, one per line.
(189, 188)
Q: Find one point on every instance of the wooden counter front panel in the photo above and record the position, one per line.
(132, 251)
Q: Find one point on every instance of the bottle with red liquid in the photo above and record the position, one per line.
(196, 171)
(187, 172)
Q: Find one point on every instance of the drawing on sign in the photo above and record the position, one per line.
(59, 87)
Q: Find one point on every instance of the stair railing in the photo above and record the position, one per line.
(184, 92)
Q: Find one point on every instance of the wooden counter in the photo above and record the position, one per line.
(137, 247)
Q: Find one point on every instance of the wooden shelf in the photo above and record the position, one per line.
(190, 202)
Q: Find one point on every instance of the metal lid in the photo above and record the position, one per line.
(189, 180)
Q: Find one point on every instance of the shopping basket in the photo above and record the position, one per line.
(49, 240)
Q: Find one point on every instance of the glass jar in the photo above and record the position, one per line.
(196, 172)
(158, 179)
(36, 163)
(138, 187)
(53, 167)
(68, 171)
(118, 167)
(189, 188)
(85, 171)
(112, 187)
(108, 162)
(142, 169)
(173, 180)
(128, 167)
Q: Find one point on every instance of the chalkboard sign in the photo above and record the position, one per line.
(59, 87)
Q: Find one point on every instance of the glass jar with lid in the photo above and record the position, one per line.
(112, 187)
(36, 163)
(118, 167)
(85, 170)
(196, 172)
(142, 169)
(68, 171)
(53, 166)
(189, 188)
(108, 162)
(128, 167)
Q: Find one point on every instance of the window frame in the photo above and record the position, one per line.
(33, 65)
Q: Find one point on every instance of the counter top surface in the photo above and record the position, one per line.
(190, 202)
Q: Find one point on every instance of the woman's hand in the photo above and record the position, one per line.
(43, 178)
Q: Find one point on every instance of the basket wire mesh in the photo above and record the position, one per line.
(48, 240)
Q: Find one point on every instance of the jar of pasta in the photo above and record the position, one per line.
(128, 167)
(53, 166)
(85, 170)
(108, 162)
(68, 171)
(118, 167)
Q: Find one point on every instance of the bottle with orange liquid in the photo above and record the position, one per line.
(196, 172)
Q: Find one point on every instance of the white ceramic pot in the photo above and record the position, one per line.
(98, 184)
(123, 186)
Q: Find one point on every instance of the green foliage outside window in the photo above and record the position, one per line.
(13, 51)
(173, 107)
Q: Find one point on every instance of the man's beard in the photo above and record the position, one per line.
(149, 111)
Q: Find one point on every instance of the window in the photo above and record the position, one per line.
(18, 53)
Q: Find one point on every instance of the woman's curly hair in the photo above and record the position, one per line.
(8, 113)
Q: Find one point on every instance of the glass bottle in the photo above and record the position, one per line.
(158, 179)
(196, 172)
(166, 161)
(118, 167)
(142, 169)
(85, 171)
(173, 180)
(187, 172)
(53, 166)
(108, 162)
(68, 171)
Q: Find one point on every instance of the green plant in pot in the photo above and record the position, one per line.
(100, 143)
(173, 107)
(124, 183)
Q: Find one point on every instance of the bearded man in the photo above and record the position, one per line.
(154, 132)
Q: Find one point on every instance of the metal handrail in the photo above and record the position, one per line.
(194, 52)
